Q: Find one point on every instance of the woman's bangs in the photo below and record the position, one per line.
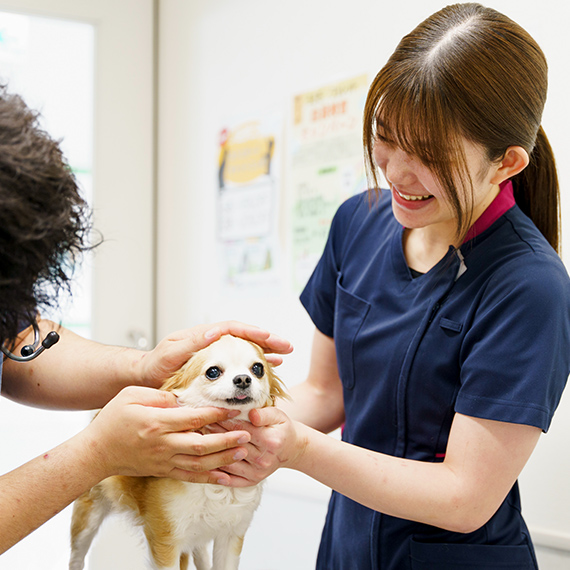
(416, 124)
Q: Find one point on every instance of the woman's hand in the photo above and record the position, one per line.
(174, 350)
(143, 432)
(276, 441)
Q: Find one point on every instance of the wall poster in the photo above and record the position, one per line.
(326, 166)
(248, 202)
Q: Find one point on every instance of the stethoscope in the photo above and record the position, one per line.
(31, 351)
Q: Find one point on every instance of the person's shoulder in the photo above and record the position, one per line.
(364, 205)
(526, 231)
(352, 204)
(531, 254)
(541, 267)
(513, 251)
(535, 276)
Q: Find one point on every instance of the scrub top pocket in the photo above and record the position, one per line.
(435, 556)
(350, 312)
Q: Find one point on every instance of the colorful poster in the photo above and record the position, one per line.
(326, 166)
(248, 204)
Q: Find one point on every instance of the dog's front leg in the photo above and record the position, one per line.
(227, 550)
(202, 559)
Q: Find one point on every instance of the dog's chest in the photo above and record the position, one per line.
(202, 509)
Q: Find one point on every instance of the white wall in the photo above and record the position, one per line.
(226, 58)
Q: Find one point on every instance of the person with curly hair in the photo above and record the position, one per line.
(45, 227)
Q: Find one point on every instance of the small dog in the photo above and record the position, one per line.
(181, 518)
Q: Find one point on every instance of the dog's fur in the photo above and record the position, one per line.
(180, 519)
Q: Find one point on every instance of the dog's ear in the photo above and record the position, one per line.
(276, 387)
(183, 376)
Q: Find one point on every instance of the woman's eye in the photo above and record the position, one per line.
(213, 373)
(382, 140)
(258, 369)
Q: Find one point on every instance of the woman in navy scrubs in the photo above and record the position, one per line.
(442, 312)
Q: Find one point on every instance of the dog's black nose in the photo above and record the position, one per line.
(242, 381)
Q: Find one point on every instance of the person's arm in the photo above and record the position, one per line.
(482, 462)
(77, 373)
(140, 432)
(318, 401)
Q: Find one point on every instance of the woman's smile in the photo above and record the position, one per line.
(408, 201)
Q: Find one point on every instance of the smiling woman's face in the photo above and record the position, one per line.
(418, 199)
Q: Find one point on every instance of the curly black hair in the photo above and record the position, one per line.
(45, 224)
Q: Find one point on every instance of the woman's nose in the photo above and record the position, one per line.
(398, 169)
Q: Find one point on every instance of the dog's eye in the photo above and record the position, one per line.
(213, 373)
(257, 369)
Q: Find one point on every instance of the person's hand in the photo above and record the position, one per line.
(276, 441)
(143, 432)
(174, 350)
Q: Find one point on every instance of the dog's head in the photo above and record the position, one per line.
(230, 373)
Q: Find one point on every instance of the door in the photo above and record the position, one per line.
(88, 66)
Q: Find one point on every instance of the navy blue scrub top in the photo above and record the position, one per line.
(484, 333)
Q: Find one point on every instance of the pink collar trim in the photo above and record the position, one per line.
(504, 201)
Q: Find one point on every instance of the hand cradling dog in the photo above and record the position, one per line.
(181, 519)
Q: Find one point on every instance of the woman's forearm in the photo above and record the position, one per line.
(320, 409)
(483, 460)
(424, 492)
(318, 401)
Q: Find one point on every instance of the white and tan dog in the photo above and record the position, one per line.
(180, 519)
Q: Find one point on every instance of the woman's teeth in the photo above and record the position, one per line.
(413, 198)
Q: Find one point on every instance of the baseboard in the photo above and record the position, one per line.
(550, 539)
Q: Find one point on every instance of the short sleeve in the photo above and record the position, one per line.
(318, 296)
(515, 358)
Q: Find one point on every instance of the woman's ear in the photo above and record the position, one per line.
(514, 161)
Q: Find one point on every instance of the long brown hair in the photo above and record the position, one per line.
(469, 72)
